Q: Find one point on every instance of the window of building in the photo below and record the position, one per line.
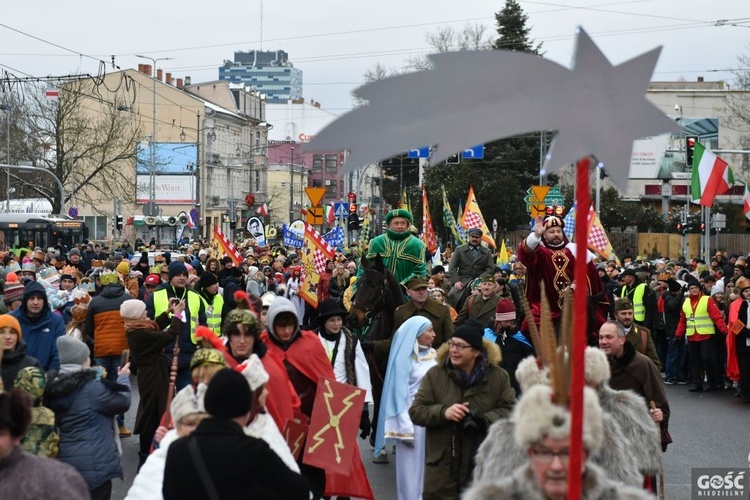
(317, 166)
(331, 190)
(332, 164)
(257, 181)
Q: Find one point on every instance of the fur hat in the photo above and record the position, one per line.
(530, 372)
(399, 212)
(228, 395)
(8, 320)
(254, 372)
(505, 310)
(72, 351)
(132, 309)
(188, 402)
(537, 416)
(553, 221)
(741, 283)
(597, 367)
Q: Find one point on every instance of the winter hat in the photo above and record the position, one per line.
(472, 332)
(252, 271)
(123, 268)
(207, 279)
(716, 289)
(228, 395)
(144, 258)
(597, 367)
(505, 310)
(537, 416)
(530, 372)
(72, 351)
(12, 292)
(254, 372)
(399, 212)
(73, 252)
(268, 298)
(132, 309)
(188, 402)
(176, 268)
(741, 283)
(226, 260)
(8, 320)
(691, 281)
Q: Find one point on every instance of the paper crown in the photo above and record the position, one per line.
(70, 271)
(108, 278)
(97, 264)
(155, 269)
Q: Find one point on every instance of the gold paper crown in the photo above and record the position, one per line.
(71, 270)
(155, 269)
(108, 278)
(97, 263)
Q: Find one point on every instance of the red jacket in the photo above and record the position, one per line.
(713, 312)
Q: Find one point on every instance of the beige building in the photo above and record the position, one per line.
(284, 200)
(201, 148)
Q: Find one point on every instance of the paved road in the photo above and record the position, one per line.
(709, 430)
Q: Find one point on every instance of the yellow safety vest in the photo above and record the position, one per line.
(161, 304)
(213, 313)
(698, 321)
(639, 309)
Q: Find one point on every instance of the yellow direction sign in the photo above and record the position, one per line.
(538, 210)
(540, 192)
(315, 194)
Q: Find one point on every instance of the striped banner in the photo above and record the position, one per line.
(226, 247)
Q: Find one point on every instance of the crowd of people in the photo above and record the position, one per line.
(227, 354)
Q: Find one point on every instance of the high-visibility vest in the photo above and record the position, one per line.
(213, 313)
(698, 321)
(639, 308)
(161, 304)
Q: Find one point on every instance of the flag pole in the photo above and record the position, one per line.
(580, 304)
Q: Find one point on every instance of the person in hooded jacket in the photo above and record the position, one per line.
(85, 405)
(40, 326)
(14, 351)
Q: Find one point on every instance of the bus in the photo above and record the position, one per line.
(28, 230)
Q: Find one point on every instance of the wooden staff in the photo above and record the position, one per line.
(167, 417)
(661, 468)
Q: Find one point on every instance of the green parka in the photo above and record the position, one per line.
(491, 398)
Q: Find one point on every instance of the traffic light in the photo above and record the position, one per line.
(118, 222)
(353, 220)
(690, 149)
(453, 159)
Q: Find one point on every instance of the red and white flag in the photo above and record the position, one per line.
(262, 210)
(330, 215)
(52, 93)
(746, 201)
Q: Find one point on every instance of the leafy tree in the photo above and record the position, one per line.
(83, 139)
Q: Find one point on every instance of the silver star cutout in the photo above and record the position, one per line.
(478, 97)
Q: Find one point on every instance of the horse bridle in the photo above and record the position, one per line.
(380, 297)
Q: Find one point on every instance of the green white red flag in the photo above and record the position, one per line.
(712, 176)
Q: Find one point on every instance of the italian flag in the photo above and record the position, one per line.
(711, 176)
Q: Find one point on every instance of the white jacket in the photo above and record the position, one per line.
(147, 484)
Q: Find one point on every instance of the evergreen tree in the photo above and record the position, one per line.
(514, 34)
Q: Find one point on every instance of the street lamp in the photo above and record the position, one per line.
(152, 167)
(6, 107)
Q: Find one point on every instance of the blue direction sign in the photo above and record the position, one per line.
(473, 153)
(423, 152)
(341, 209)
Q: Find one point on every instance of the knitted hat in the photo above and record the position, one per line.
(132, 309)
(716, 289)
(74, 251)
(228, 395)
(472, 332)
(437, 269)
(254, 372)
(537, 416)
(188, 402)
(207, 279)
(8, 320)
(72, 351)
(12, 292)
(108, 277)
(399, 212)
(691, 281)
(123, 267)
(623, 304)
(176, 268)
(505, 310)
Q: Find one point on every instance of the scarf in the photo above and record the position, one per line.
(476, 375)
(141, 324)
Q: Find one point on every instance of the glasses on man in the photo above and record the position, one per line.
(545, 456)
(459, 346)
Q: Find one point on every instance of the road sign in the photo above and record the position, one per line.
(315, 215)
(423, 152)
(473, 153)
(315, 194)
(538, 210)
(538, 196)
(340, 209)
(151, 209)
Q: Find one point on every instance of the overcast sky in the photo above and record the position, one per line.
(335, 41)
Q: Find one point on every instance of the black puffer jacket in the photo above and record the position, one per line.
(15, 361)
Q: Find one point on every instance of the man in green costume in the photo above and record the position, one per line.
(402, 252)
